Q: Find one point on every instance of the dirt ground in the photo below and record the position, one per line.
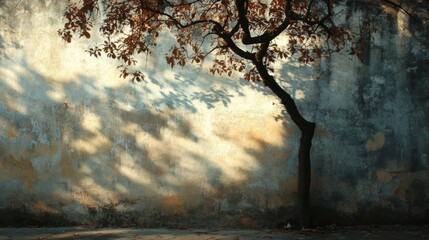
(356, 232)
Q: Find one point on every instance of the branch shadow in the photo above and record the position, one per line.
(74, 152)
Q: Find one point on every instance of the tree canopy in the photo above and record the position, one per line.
(233, 33)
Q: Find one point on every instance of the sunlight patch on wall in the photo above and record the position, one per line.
(91, 122)
(129, 168)
(169, 74)
(402, 24)
(91, 144)
(57, 93)
(10, 78)
(125, 106)
(299, 95)
(13, 105)
(69, 62)
(251, 132)
(291, 75)
(94, 140)
(176, 154)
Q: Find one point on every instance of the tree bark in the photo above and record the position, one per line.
(304, 176)
(307, 132)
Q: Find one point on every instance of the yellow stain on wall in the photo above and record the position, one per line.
(68, 170)
(383, 176)
(376, 142)
(173, 204)
(86, 197)
(42, 207)
(321, 131)
(22, 169)
(248, 132)
(11, 132)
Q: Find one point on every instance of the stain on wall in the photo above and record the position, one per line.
(11, 132)
(376, 142)
(18, 169)
(79, 145)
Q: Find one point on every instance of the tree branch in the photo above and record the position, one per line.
(267, 36)
(399, 6)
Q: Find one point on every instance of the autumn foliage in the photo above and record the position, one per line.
(233, 33)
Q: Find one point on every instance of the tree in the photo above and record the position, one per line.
(240, 35)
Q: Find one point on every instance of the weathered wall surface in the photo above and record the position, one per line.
(79, 145)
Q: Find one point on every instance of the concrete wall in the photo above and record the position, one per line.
(79, 145)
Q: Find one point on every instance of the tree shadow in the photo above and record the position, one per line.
(194, 149)
(74, 151)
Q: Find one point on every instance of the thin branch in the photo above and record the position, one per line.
(399, 6)
(262, 52)
(217, 27)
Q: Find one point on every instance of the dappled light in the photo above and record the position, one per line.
(177, 143)
(79, 144)
(403, 24)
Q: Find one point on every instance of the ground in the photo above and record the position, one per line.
(356, 232)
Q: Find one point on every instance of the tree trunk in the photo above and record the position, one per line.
(307, 131)
(304, 175)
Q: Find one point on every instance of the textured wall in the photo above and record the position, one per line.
(79, 145)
